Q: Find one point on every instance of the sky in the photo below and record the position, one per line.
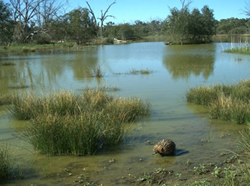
(128, 11)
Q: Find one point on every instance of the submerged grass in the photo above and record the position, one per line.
(226, 102)
(65, 123)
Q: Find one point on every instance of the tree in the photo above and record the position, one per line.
(178, 24)
(191, 27)
(103, 17)
(6, 24)
(32, 17)
(247, 8)
(81, 25)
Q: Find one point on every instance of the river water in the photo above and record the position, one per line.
(174, 69)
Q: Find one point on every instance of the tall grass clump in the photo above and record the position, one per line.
(65, 123)
(226, 102)
(5, 165)
(245, 139)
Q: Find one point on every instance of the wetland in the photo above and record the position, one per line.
(150, 71)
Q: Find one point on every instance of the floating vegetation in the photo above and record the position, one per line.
(226, 102)
(136, 72)
(64, 123)
(142, 71)
(19, 87)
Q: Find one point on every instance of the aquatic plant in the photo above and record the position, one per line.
(226, 102)
(240, 50)
(65, 123)
(142, 71)
(96, 72)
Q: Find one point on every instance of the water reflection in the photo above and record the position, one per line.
(184, 61)
(50, 69)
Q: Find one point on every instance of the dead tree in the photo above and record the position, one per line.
(103, 17)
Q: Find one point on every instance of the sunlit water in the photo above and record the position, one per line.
(174, 70)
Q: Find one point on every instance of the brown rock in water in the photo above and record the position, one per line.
(165, 147)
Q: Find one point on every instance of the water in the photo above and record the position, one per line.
(174, 70)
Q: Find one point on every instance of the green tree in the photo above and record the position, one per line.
(191, 27)
(81, 26)
(126, 32)
(6, 24)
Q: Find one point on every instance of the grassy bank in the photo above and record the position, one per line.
(64, 123)
(226, 102)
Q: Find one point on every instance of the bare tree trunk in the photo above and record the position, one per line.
(103, 16)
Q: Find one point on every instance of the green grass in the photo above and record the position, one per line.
(64, 123)
(225, 102)
(240, 50)
(5, 163)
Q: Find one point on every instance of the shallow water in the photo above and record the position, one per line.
(174, 70)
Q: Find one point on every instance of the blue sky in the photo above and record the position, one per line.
(127, 11)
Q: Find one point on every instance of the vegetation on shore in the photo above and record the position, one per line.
(226, 102)
(64, 123)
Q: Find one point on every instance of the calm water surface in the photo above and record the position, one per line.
(174, 70)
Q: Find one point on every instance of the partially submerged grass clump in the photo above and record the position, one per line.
(240, 50)
(97, 72)
(142, 71)
(65, 123)
(226, 102)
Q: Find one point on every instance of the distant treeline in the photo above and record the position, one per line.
(37, 21)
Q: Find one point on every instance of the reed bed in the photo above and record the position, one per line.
(64, 123)
(226, 102)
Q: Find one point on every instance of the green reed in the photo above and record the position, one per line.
(65, 123)
(226, 102)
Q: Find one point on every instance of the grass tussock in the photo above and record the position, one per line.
(226, 102)
(5, 165)
(65, 123)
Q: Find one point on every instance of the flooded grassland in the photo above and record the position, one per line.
(150, 71)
